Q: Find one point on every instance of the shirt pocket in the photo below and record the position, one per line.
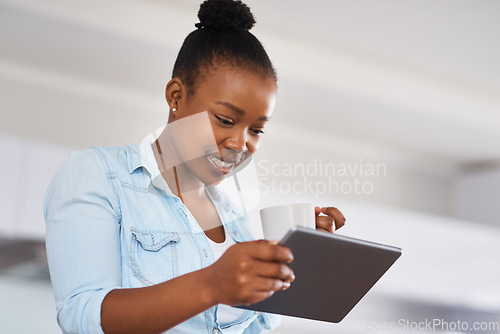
(154, 255)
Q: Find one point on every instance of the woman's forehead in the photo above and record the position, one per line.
(232, 82)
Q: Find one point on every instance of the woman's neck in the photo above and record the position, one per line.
(179, 179)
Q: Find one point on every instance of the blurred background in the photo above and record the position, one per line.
(389, 110)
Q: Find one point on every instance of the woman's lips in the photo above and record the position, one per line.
(222, 166)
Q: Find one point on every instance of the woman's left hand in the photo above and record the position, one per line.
(332, 218)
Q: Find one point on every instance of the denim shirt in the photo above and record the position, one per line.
(112, 222)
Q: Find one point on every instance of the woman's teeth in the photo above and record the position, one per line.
(219, 163)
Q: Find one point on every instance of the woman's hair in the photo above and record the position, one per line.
(222, 39)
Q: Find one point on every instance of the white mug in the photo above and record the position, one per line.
(277, 220)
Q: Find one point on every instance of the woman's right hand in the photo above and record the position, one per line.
(249, 272)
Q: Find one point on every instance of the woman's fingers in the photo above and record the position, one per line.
(251, 271)
(268, 284)
(265, 288)
(259, 288)
(275, 270)
(268, 251)
(333, 220)
(325, 223)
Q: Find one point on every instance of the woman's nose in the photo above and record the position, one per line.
(237, 142)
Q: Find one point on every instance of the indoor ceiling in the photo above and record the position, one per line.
(417, 80)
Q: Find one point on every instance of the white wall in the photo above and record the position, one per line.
(477, 195)
(27, 168)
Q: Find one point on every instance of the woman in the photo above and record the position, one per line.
(139, 239)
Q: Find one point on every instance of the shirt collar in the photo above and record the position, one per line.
(142, 156)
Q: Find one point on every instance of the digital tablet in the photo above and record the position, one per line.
(332, 274)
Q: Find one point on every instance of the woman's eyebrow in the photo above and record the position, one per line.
(239, 110)
(231, 106)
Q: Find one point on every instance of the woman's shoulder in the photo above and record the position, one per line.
(116, 158)
(95, 163)
(103, 154)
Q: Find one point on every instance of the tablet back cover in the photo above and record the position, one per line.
(332, 274)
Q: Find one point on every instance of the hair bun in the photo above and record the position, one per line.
(225, 14)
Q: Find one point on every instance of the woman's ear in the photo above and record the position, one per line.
(173, 94)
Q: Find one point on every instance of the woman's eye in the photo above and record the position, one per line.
(257, 131)
(224, 121)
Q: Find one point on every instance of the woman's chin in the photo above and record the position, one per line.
(212, 180)
(208, 175)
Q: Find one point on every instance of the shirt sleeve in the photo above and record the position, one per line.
(82, 216)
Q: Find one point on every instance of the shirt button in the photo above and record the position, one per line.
(215, 331)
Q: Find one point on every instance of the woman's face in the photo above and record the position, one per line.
(239, 103)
